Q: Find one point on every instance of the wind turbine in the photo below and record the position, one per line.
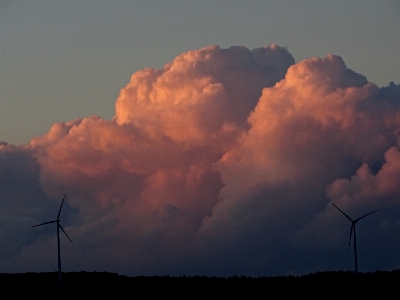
(58, 240)
(353, 228)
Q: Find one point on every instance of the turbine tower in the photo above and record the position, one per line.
(353, 228)
(57, 221)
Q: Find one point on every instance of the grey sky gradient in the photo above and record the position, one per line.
(215, 160)
(60, 60)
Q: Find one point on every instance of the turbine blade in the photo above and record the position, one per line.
(59, 212)
(351, 231)
(343, 212)
(365, 216)
(45, 223)
(65, 232)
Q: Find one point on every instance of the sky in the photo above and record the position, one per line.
(199, 137)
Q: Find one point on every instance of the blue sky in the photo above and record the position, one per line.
(62, 60)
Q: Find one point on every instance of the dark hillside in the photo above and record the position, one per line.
(103, 283)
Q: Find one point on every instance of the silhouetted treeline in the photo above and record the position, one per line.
(102, 283)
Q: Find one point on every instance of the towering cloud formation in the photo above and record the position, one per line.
(223, 162)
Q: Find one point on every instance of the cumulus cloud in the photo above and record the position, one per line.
(223, 162)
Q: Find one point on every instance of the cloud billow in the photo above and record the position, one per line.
(223, 162)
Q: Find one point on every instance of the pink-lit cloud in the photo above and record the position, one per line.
(223, 162)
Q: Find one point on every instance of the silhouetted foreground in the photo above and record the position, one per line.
(103, 283)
